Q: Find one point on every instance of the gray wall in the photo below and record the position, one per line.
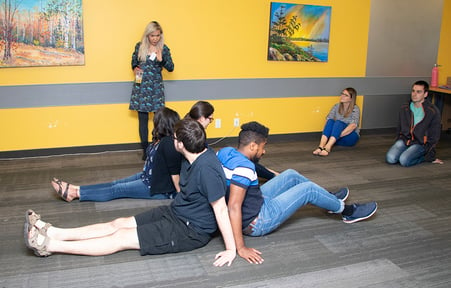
(403, 42)
(403, 37)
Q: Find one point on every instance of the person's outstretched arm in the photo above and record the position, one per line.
(223, 220)
(236, 199)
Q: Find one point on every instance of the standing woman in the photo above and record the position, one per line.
(148, 59)
(342, 124)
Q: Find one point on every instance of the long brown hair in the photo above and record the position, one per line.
(353, 93)
(200, 109)
(164, 121)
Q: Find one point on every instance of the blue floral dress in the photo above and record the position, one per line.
(149, 95)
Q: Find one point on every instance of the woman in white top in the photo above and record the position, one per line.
(342, 124)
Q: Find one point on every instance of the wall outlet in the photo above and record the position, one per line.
(236, 122)
(218, 123)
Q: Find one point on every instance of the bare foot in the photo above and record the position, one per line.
(65, 190)
(317, 151)
(438, 161)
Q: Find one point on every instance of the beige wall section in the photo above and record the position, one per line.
(444, 54)
(208, 39)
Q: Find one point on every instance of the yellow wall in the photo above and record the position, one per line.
(208, 40)
(444, 52)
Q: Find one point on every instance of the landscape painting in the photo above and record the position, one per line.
(299, 32)
(41, 33)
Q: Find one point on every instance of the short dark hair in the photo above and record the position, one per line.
(252, 132)
(164, 120)
(200, 109)
(422, 83)
(192, 134)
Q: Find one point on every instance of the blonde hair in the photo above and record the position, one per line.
(145, 42)
(353, 93)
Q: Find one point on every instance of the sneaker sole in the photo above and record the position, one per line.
(360, 219)
(346, 197)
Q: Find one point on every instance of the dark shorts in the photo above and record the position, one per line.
(161, 232)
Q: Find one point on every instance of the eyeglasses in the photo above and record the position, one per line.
(344, 94)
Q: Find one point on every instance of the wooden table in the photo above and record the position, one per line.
(442, 99)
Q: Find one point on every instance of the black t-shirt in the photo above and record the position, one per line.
(201, 183)
(167, 162)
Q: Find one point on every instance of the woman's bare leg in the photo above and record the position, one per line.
(122, 239)
(91, 231)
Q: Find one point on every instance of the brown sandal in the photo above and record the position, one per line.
(31, 218)
(65, 194)
(33, 243)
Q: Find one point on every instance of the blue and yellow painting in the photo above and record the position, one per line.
(41, 33)
(299, 32)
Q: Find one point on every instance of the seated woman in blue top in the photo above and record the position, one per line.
(158, 180)
(342, 124)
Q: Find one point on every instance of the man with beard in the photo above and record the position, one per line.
(257, 211)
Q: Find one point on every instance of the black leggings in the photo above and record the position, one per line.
(143, 118)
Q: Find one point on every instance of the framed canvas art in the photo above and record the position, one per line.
(299, 32)
(41, 33)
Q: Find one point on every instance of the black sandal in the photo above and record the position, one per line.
(324, 155)
(320, 149)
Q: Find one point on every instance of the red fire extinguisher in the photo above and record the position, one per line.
(434, 78)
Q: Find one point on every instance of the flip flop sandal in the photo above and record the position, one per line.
(320, 149)
(60, 189)
(324, 149)
(38, 249)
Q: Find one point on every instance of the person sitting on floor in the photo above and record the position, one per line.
(342, 124)
(418, 130)
(202, 111)
(159, 178)
(258, 210)
(186, 224)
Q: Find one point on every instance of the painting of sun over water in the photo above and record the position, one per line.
(41, 33)
(299, 32)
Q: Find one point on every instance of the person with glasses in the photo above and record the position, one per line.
(159, 178)
(342, 124)
(202, 111)
(187, 223)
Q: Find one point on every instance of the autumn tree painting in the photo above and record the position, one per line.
(299, 32)
(41, 33)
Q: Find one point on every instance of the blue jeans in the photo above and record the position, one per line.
(405, 155)
(333, 128)
(284, 194)
(130, 187)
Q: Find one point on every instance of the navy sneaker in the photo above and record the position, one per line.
(342, 194)
(361, 212)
